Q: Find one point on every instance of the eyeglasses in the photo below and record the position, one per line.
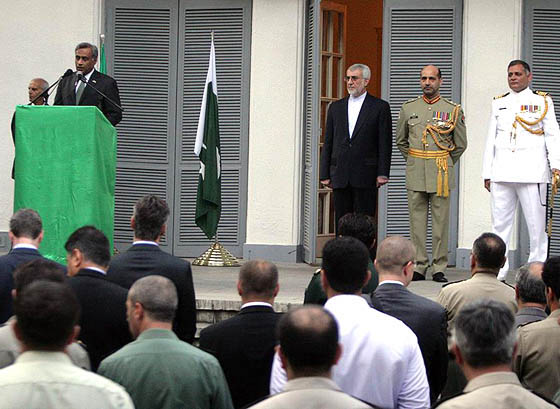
(353, 78)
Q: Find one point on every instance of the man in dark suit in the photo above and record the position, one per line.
(104, 328)
(426, 318)
(26, 233)
(356, 156)
(71, 91)
(244, 344)
(146, 258)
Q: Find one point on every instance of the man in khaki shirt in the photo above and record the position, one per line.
(488, 256)
(483, 346)
(538, 353)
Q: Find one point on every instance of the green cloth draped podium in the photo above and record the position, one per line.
(65, 169)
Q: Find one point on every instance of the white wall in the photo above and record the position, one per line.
(491, 39)
(273, 206)
(38, 40)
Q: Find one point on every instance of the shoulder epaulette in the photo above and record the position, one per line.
(541, 93)
(449, 101)
(509, 285)
(412, 100)
(454, 282)
(501, 96)
(439, 402)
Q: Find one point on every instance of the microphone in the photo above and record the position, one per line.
(45, 93)
(80, 77)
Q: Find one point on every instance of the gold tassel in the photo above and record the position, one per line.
(439, 181)
(442, 182)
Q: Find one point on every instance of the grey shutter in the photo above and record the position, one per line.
(311, 132)
(416, 33)
(231, 22)
(541, 49)
(141, 49)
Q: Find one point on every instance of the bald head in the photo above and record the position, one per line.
(529, 286)
(37, 86)
(393, 254)
(308, 341)
(258, 281)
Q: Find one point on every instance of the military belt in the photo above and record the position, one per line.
(441, 163)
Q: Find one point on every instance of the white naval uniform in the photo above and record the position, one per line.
(515, 161)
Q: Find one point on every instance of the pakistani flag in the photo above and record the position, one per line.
(207, 148)
(103, 61)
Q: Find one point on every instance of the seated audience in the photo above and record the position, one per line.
(484, 344)
(538, 351)
(103, 319)
(158, 369)
(146, 258)
(43, 376)
(308, 350)
(381, 362)
(426, 318)
(26, 234)
(25, 274)
(530, 294)
(244, 344)
(363, 228)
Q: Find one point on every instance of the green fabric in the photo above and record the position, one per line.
(102, 60)
(208, 197)
(314, 293)
(65, 161)
(160, 371)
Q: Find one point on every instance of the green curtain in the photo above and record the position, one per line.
(65, 169)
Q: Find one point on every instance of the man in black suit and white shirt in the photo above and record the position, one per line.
(104, 328)
(356, 156)
(145, 258)
(244, 344)
(26, 233)
(71, 91)
(427, 319)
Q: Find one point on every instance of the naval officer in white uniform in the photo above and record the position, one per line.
(523, 139)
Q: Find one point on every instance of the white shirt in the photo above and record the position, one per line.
(523, 158)
(256, 304)
(354, 107)
(44, 380)
(86, 77)
(152, 243)
(24, 246)
(381, 361)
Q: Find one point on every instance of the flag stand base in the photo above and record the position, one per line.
(216, 256)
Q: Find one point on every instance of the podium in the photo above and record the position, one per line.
(65, 169)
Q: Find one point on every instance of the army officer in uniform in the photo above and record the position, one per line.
(523, 138)
(431, 136)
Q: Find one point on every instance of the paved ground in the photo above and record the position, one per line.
(219, 283)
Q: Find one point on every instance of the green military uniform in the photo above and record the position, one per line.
(429, 171)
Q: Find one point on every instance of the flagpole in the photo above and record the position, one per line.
(207, 148)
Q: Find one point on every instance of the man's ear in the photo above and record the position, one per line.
(17, 330)
(73, 337)
(504, 262)
(132, 223)
(282, 357)
(368, 277)
(458, 355)
(324, 281)
(41, 236)
(239, 289)
(163, 230)
(338, 354)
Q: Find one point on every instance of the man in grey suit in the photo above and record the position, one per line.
(530, 294)
(426, 318)
(308, 349)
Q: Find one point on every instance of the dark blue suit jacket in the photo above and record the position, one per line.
(142, 260)
(244, 345)
(428, 320)
(8, 263)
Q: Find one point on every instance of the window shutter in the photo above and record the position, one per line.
(416, 33)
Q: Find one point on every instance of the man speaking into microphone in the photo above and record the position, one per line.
(73, 91)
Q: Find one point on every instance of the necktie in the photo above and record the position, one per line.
(79, 92)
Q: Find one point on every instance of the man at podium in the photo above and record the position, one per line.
(73, 91)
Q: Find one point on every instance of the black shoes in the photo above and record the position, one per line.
(418, 277)
(438, 278)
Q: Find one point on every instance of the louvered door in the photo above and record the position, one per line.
(541, 49)
(417, 33)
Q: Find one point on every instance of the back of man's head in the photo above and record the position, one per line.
(345, 261)
(484, 333)
(529, 283)
(38, 269)
(150, 215)
(46, 314)
(157, 295)
(258, 278)
(359, 226)
(393, 254)
(92, 243)
(489, 251)
(308, 340)
(551, 275)
(26, 223)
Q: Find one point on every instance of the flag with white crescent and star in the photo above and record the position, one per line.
(207, 148)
